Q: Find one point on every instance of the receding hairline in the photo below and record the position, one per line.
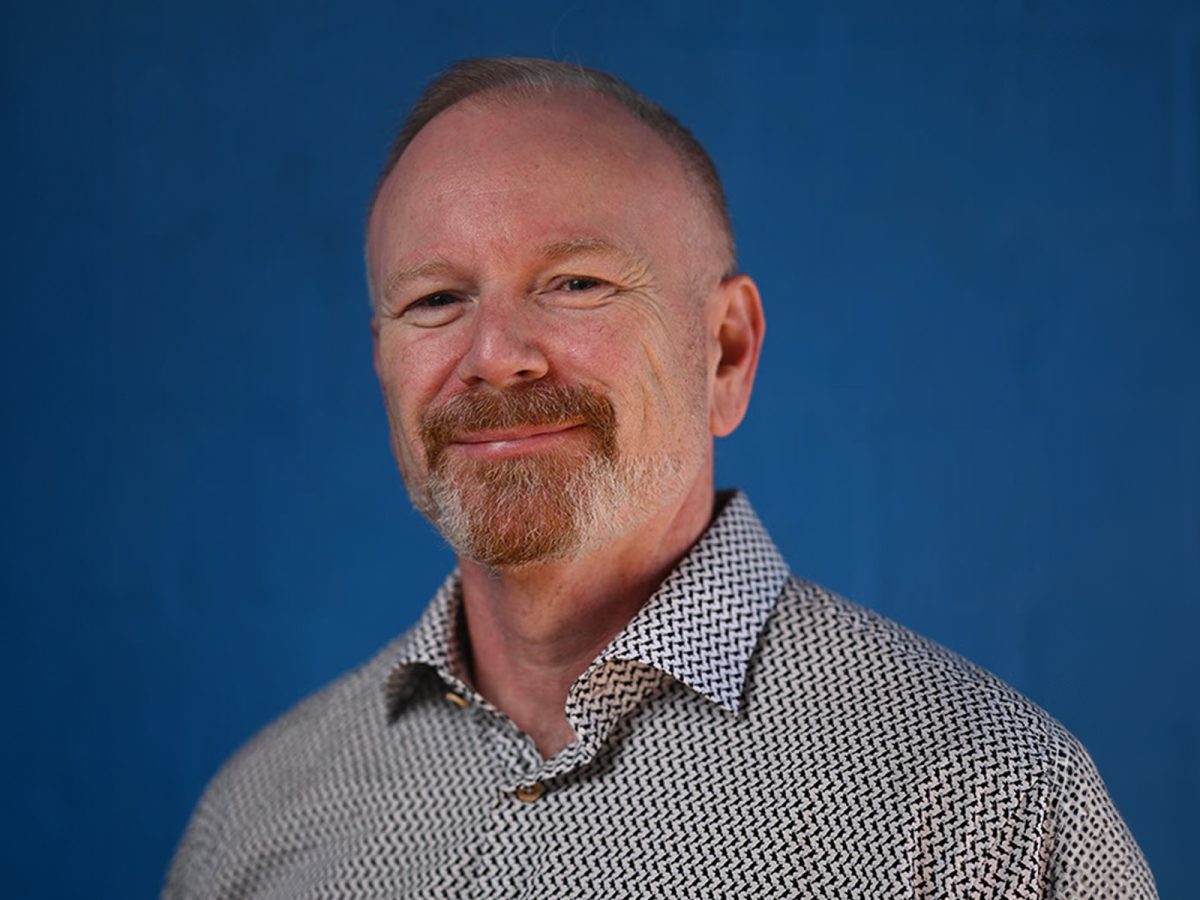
(507, 79)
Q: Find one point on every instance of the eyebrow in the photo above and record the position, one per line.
(632, 263)
(431, 268)
(556, 250)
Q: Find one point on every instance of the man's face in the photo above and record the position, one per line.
(541, 271)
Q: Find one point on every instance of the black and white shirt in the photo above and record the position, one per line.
(747, 735)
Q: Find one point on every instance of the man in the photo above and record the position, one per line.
(621, 691)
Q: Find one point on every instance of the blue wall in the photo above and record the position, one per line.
(977, 228)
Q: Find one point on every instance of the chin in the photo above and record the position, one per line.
(522, 512)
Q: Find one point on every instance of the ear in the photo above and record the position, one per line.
(736, 329)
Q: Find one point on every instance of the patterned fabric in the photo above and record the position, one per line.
(747, 735)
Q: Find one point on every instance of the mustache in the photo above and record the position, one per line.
(540, 403)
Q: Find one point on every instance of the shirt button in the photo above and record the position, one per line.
(530, 793)
(457, 699)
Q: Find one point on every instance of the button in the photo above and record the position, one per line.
(457, 699)
(530, 793)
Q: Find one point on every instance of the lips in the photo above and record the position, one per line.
(502, 443)
(513, 435)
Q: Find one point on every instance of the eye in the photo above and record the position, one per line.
(434, 309)
(578, 290)
(579, 283)
(433, 301)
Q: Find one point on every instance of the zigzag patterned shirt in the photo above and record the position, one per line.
(747, 735)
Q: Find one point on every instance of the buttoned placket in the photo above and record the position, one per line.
(515, 752)
(608, 691)
(511, 821)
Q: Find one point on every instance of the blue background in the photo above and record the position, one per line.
(977, 229)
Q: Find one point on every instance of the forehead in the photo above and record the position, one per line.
(568, 127)
(505, 165)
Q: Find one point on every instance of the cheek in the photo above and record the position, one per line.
(679, 391)
(411, 374)
(416, 368)
(610, 353)
(653, 368)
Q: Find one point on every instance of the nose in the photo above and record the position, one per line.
(505, 348)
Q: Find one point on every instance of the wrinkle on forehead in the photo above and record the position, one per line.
(470, 188)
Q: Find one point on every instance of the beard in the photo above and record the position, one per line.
(535, 507)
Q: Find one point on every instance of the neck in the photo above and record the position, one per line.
(534, 629)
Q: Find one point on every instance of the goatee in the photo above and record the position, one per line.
(535, 507)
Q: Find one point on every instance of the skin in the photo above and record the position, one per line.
(559, 238)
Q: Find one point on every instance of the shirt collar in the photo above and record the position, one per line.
(700, 627)
(702, 624)
(433, 643)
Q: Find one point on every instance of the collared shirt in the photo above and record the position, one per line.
(747, 734)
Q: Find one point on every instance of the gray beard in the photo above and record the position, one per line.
(524, 511)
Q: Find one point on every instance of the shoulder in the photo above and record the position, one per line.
(852, 667)
(286, 762)
(970, 760)
(345, 713)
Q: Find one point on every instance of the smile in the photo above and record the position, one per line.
(500, 443)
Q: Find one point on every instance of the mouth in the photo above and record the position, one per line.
(501, 443)
(543, 419)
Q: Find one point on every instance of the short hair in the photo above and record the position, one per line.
(530, 76)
